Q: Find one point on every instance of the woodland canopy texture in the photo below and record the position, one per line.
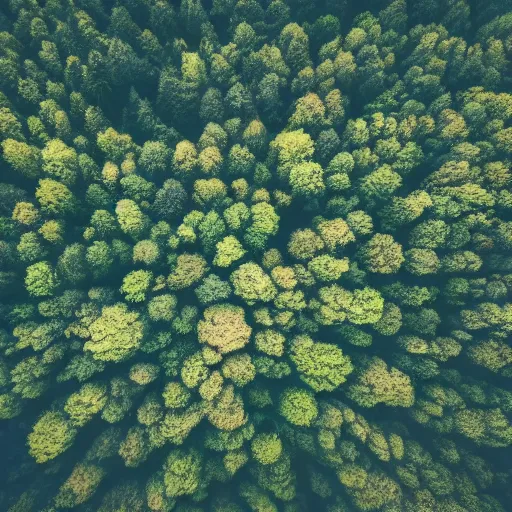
(255, 255)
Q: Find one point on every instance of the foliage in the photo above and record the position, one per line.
(298, 406)
(252, 284)
(320, 365)
(224, 328)
(51, 435)
(266, 448)
(256, 255)
(116, 334)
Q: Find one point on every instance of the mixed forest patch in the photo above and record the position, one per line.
(255, 255)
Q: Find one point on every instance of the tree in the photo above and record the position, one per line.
(309, 114)
(22, 157)
(240, 161)
(320, 365)
(25, 213)
(403, 211)
(270, 342)
(378, 490)
(162, 308)
(238, 102)
(212, 108)
(294, 45)
(381, 254)
(306, 180)
(116, 334)
(10, 125)
(224, 328)
(60, 161)
(10, 406)
(170, 200)
(104, 223)
(189, 269)
(131, 219)
(192, 15)
(376, 384)
(264, 224)
(213, 289)
(284, 277)
(155, 158)
(182, 472)
(71, 265)
(136, 284)
(268, 98)
(175, 395)
(53, 231)
(41, 279)
(298, 406)
(124, 496)
(229, 250)
(327, 144)
(363, 306)
(51, 435)
(55, 198)
(461, 261)
(326, 268)
(390, 321)
(252, 284)
(115, 145)
(209, 193)
(128, 167)
(335, 233)
(421, 261)
(144, 373)
(304, 244)
(211, 387)
(146, 251)
(239, 368)
(491, 354)
(134, 448)
(30, 248)
(80, 485)
(255, 137)
(429, 234)
(266, 448)
(85, 403)
(100, 258)
(210, 161)
(226, 412)
(360, 223)
(381, 184)
(289, 149)
(486, 427)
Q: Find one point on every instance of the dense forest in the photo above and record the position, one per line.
(256, 255)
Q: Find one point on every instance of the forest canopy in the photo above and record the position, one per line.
(256, 255)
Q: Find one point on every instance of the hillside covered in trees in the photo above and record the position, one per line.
(255, 255)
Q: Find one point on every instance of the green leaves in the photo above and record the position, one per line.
(376, 384)
(298, 406)
(320, 365)
(306, 180)
(41, 279)
(252, 284)
(224, 328)
(52, 435)
(182, 472)
(232, 228)
(116, 334)
(136, 284)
